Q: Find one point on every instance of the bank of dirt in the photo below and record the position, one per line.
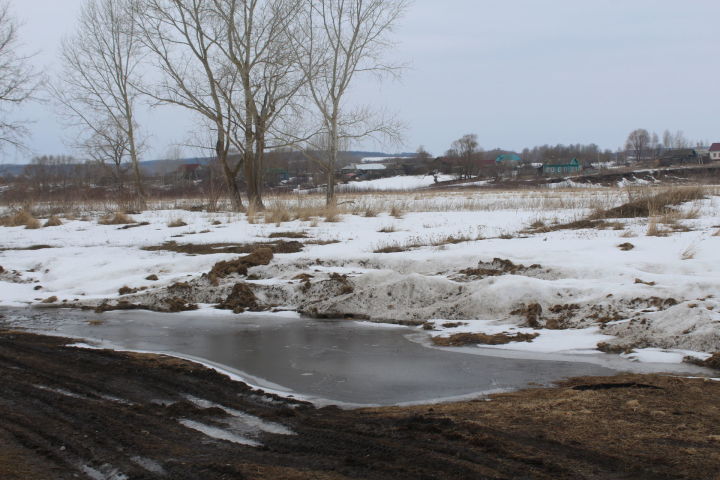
(66, 411)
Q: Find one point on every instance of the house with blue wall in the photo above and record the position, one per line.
(562, 167)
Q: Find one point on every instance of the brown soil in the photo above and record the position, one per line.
(63, 407)
(288, 235)
(241, 299)
(462, 339)
(165, 305)
(497, 267)
(31, 247)
(279, 246)
(134, 225)
(626, 247)
(261, 256)
(532, 314)
(712, 362)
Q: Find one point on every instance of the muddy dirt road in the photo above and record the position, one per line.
(70, 413)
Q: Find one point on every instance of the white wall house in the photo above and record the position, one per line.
(715, 152)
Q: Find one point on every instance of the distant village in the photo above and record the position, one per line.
(293, 171)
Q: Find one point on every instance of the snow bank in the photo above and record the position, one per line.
(656, 295)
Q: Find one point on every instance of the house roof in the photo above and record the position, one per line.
(508, 157)
(715, 147)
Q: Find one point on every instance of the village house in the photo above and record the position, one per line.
(559, 167)
(715, 152)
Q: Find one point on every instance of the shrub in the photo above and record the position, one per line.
(178, 222)
(53, 221)
(119, 218)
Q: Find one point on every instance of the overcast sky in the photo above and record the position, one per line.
(517, 73)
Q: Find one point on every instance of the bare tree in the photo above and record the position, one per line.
(184, 38)
(96, 88)
(256, 45)
(466, 149)
(18, 79)
(638, 143)
(335, 41)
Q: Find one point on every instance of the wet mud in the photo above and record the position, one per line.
(68, 413)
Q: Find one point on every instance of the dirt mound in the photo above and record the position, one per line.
(261, 256)
(462, 339)
(711, 362)
(165, 305)
(241, 299)
(497, 267)
(532, 314)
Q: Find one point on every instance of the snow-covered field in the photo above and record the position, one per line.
(659, 298)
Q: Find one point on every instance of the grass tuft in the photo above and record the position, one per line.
(119, 218)
(178, 222)
(53, 221)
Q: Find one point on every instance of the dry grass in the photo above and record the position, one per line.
(20, 219)
(53, 221)
(332, 215)
(689, 253)
(118, 218)
(651, 202)
(388, 229)
(33, 224)
(178, 222)
(654, 229)
(419, 242)
(396, 212)
(370, 212)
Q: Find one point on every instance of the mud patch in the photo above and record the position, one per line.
(665, 430)
(711, 362)
(463, 339)
(498, 267)
(279, 246)
(163, 305)
(241, 299)
(239, 266)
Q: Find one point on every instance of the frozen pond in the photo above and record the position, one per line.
(328, 361)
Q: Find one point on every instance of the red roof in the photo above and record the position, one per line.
(715, 147)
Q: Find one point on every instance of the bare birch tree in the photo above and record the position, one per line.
(257, 47)
(336, 41)
(184, 37)
(96, 88)
(18, 79)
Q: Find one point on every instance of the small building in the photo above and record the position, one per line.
(364, 168)
(715, 152)
(560, 167)
(679, 155)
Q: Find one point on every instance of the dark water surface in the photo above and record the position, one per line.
(340, 361)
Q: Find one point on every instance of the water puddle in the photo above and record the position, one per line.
(341, 362)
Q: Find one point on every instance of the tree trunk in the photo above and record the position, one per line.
(230, 180)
